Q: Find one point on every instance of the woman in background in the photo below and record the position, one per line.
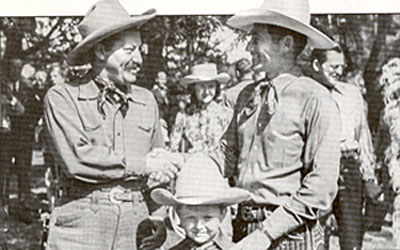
(203, 122)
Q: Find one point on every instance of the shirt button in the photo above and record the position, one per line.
(118, 134)
(260, 124)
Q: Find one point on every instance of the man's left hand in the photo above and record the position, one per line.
(257, 240)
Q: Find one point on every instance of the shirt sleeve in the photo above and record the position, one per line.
(321, 169)
(367, 156)
(80, 157)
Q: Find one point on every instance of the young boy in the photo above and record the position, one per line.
(200, 200)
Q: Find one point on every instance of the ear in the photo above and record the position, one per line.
(223, 213)
(287, 44)
(315, 65)
(100, 51)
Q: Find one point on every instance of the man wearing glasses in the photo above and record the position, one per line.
(357, 162)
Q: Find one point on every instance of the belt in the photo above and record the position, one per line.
(115, 195)
(114, 191)
(255, 213)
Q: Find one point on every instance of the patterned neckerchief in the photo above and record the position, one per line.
(109, 90)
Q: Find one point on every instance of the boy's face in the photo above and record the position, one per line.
(201, 223)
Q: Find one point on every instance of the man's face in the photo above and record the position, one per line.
(123, 60)
(264, 51)
(201, 223)
(205, 91)
(56, 76)
(332, 69)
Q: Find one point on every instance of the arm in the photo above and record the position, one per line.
(80, 157)
(321, 170)
(177, 132)
(367, 156)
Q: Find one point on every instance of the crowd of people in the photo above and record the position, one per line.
(281, 159)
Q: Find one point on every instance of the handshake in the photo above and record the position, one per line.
(163, 166)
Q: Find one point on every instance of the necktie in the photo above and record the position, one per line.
(268, 106)
(108, 88)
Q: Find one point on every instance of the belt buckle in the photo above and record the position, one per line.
(114, 191)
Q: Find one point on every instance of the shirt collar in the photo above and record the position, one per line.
(90, 91)
(283, 80)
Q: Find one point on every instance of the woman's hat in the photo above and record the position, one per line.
(200, 182)
(289, 14)
(204, 73)
(104, 19)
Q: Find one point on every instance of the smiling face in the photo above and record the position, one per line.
(201, 223)
(205, 91)
(265, 52)
(123, 58)
(332, 69)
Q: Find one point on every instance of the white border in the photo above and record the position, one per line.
(187, 7)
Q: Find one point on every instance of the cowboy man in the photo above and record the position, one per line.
(282, 144)
(104, 133)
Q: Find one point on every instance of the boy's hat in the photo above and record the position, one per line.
(289, 14)
(104, 19)
(203, 73)
(200, 182)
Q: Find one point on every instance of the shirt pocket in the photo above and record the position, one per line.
(89, 115)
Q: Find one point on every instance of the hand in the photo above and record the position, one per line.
(257, 240)
(163, 166)
(155, 240)
(372, 190)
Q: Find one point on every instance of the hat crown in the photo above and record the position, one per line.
(104, 13)
(296, 9)
(206, 70)
(200, 178)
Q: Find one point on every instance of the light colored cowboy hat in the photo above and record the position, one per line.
(104, 19)
(203, 73)
(290, 14)
(200, 182)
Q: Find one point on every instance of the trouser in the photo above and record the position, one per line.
(97, 221)
(348, 205)
(307, 237)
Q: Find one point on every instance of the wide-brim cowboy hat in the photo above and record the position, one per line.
(200, 182)
(104, 19)
(292, 14)
(204, 73)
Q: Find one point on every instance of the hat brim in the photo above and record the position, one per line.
(246, 19)
(226, 197)
(77, 57)
(190, 79)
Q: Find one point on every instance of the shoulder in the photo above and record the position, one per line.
(61, 91)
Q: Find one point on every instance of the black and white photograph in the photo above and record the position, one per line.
(199, 125)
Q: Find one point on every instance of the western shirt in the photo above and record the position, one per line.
(96, 149)
(355, 133)
(289, 159)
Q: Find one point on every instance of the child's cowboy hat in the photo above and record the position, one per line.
(104, 19)
(200, 182)
(204, 73)
(289, 14)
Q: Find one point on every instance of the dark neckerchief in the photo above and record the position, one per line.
(107, 90)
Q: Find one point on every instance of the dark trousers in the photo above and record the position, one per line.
(348, 205)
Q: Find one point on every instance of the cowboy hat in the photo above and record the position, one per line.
(204, 73)
(200, 182)
(104, 19)
(289, 14)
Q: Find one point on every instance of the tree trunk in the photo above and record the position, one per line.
(374, 98)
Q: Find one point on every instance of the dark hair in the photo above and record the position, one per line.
(194, 105)
(320, 54)
(278, 33)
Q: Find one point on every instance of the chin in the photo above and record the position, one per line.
(202, 238)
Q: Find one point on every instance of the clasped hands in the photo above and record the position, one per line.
(162, 166)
